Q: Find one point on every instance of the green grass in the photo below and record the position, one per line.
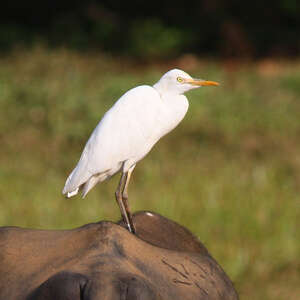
(230, 172)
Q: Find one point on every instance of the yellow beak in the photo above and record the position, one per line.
(201, 82)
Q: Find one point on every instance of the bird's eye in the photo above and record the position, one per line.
(180, 79)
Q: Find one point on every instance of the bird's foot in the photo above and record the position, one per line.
(130, 228)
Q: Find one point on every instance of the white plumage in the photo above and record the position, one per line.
(128, 131)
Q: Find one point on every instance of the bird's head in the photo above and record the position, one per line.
(178, 82)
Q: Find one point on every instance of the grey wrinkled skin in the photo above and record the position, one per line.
(104, 261)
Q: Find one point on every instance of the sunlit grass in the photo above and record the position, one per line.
(230, 172)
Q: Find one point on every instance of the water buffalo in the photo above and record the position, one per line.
(104, 261)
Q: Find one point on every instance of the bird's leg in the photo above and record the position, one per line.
(125, 198)
(119, 199)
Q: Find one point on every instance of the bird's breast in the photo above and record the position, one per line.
(160, 119)
(173, 111)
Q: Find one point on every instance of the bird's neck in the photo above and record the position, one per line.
(164, 91)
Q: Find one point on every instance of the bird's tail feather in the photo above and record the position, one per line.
(89, 185)
(67, 188)
(92, 182)
(71, 194)
(86, 186)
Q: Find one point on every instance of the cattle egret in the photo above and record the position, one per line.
(128, 131)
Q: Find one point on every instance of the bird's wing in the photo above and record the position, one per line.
(125, 132)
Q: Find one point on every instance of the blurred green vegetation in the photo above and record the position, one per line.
(230, 172)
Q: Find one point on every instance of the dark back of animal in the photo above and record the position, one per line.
(104, 261)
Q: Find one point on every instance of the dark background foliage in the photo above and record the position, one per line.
(156, 28)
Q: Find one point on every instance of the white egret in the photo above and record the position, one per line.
(128, 131)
